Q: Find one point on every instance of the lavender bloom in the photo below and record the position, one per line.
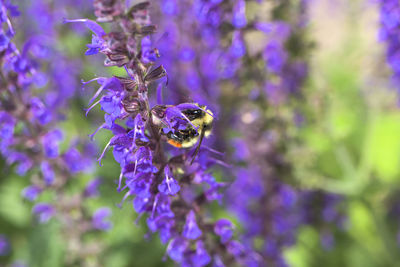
(191, 230)
(44, 212)
(40, 112)
(169, 185)
(154, 177)
(75, 161)
(239, 14)
(98, 43)
(31, 192)
(92, 188)
(327, 240)
(47, 172)
(205, 61)
(269, 209)
(37, 83)
(201, 258)
(99, 219)
(176, 248)
(19, 263)
(7, 123)
(24, 163)
(323, 211)
(50, 143)
(4, 245)
(390, 21)
(224, 229)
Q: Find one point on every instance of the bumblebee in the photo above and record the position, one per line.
(199, 124)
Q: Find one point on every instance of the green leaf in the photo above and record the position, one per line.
(13, 208)
(362, 226)
(342, 120)
(384, 146)
(299, 255)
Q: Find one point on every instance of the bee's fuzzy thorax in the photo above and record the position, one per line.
(200, 118)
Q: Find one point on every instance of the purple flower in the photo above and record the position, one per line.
(7, 124)
(169, 185)
(19, 263)
(99, 220)
(224, 229)
(218, 262)
(24, 163)
(169, 7)
(92, 188)
(141, 203)
(4, 41)
(327, 240)
(40, 112)
(239, 14)
(201, 258)
(241, 151)
(98, 43)
(31, 192)
(275, 56)
(235, 248)
(176, 248)
(47, 172)
(38, 83)
(75, 160)
(139, 129)
(191, 230)
(44, 212)
(238, 48)
(390, 20)
(4, 245)
(51, 142)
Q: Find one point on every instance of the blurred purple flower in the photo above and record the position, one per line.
(100, 217)
(239, 14)
(19, 263)
(47, 172)
(327, 240)
(44, 212)
(201, 257)
(24, 163)
(41, 114)
(51, 142)
(31, 192)
(176, 248)
(4, 245)
(224, 229)
(191, 230)
(92, 188)
(388, 33)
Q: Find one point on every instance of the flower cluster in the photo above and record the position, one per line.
(171, 187)
(32, 103)
(389, 33)
(203, 46)
(205, 50)
(269, 208)
(326, 216)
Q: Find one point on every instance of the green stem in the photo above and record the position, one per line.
(389, 249)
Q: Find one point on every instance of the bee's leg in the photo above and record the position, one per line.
(198, 146)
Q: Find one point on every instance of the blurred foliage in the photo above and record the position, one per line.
(351, 139)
